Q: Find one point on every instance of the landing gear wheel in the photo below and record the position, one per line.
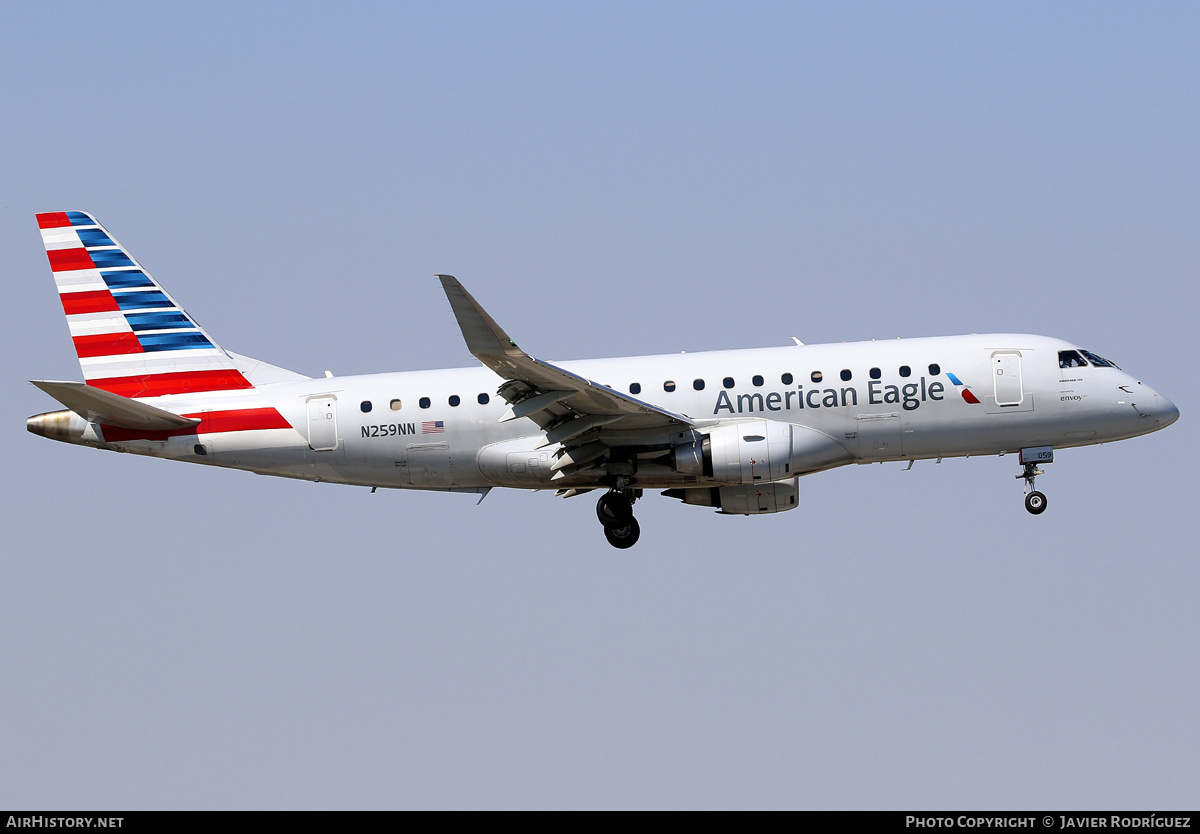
(625, 535)
(614, 508)
(1035, 502)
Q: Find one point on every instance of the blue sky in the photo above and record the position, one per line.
(607, 179)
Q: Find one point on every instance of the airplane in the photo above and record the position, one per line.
(729, 430)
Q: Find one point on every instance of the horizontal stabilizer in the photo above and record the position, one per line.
(99, 406)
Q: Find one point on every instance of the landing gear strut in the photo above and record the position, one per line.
(615, 511)
(1035, 501)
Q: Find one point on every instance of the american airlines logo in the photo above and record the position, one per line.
(966, 389)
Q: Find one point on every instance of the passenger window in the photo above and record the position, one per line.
(758, 380)
(905, 370)
(727, 382)
(817, 376)
(635, 388)
(786, 379)
(395, 405)
(454, 400)
(846, 375)
(698, 384)
(365, 406)
(935, 369)
(669, 385)
(483, 399)
(1070, 359)
(876, 373)
(423, 402)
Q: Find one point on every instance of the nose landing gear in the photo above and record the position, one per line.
(1035, 501)
(615, 511)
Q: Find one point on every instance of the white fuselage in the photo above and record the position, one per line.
(382, 429)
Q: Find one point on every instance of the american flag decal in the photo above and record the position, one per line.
(433, 427)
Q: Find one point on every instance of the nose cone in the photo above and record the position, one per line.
(1168, 413)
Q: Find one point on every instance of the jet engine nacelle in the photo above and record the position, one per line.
(745, 499)
(757, 452)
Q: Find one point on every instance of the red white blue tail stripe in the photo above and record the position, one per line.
(130, 336)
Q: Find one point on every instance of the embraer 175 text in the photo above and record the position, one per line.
(732, 430)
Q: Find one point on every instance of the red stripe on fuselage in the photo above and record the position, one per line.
(94, 301)
(211, 422)
(185, 382)
(247, 419)
(52, 220)
(107, 344)
(64, 260)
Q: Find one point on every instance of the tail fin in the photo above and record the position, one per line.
(131, 337)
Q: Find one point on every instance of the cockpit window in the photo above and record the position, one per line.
(1098, 361)
(1070, 359)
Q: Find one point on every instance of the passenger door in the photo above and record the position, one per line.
(1006, 375)
(322, 424)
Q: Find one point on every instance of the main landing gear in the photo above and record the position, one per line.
(615, 511)
(1035, 501)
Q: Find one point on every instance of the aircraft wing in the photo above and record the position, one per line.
(100, 406)
(566, 406)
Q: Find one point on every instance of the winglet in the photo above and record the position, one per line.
(543, 386)
(484, 337)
